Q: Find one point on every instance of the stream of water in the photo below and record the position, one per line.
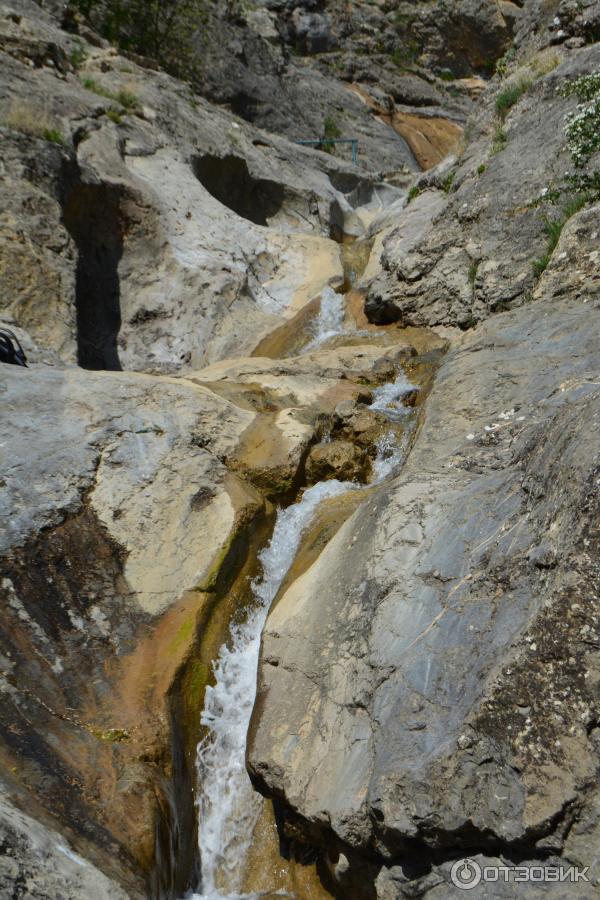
(330, 321)
(228, 806)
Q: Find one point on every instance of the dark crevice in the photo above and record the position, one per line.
(228, 180)
(92, 215)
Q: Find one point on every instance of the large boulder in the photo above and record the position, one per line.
(429, 685)
(121, 523)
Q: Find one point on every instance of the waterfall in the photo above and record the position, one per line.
(228, 807)
(330, 321)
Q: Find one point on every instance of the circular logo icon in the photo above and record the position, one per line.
(465, 874)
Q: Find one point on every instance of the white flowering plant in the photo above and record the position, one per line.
(582, 130)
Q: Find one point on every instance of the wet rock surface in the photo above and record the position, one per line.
(444, 703)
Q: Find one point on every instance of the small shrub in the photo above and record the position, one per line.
(128, 100)
(447, 75)
(582, 127)
(541, 264)
(125, 98)
(499, 140)
(473, 271)
(481, 169)
(53, 135)
(507, 98)
(331, 128)
(501, 65)
(545, 63)
(405, 56)
(35, 122)
(553, 229)
(448, 182)
(413, 192)
(331, 131)
(114, 115)
(78, 55)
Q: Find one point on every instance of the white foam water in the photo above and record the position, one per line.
(228, 807)
(388, 398)
(391, 454)
(330, 321)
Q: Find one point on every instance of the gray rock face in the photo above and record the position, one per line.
(143, 234)
(64, 874)
(429, 684)
(117, 506)
(477, 256)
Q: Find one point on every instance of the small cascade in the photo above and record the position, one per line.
(330, 321)
(391, 453)
(228, 807)
(392, 448)
(388, 398)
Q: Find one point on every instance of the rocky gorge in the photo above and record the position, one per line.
(299, 490)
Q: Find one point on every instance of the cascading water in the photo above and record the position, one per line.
(227, 804)
(388, 398)
(330, 321)
(391, 451)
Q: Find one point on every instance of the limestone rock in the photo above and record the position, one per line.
(119, 514)
(431, 620)
(336, 459)
(477, 255)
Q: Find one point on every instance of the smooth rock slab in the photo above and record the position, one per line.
(423, 683)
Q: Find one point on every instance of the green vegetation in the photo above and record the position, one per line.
(499, 140)
(553, 229)
(448, 182)
(331, 131)
(78, 55)
(35, 122)
(164, 31)
(114, 115)
(183, 636)
(405, 55)
(582, 130)
(124, 98)
(501, 65)
(481, 169)
(413, 192)
(507, 98)
(53, 135)
(473, 271)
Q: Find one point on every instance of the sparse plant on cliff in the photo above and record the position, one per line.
(507, 98)
(448, 182)
(331, 132)
(164, 30)
(582, 126)
(501, 65)
(34, 122)
(78, 55)
(124, 98)
(553, 228)
(500, 140)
